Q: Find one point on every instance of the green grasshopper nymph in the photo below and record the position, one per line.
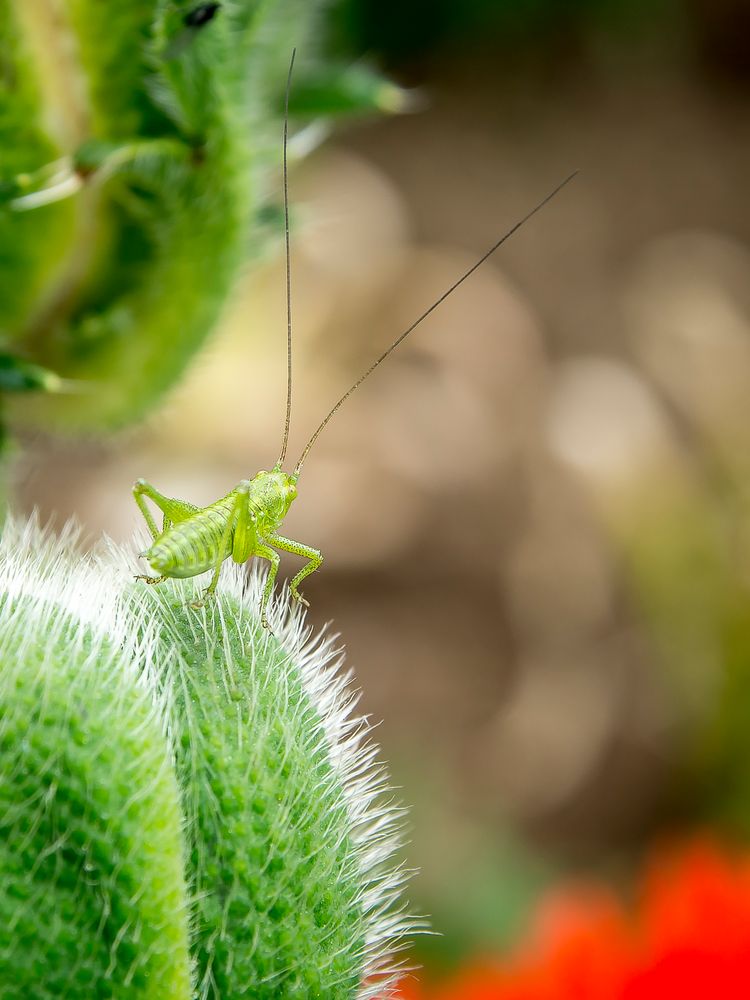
(246, 522)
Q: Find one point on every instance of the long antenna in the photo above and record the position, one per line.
(288, 419)
(425, 314)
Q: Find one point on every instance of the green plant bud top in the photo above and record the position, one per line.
(190, 794)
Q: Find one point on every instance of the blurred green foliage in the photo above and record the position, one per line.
(139, 142)
(685, 551)
(159, 136)
(513, 28)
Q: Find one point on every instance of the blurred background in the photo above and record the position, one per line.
(536, 516)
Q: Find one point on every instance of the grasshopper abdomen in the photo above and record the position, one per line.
(193, 546)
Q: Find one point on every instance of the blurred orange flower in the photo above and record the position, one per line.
(688, 939)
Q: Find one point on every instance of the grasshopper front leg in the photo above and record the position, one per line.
(273, 557)
(313, 556)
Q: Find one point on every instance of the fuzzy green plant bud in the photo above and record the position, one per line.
(93, 887)
(136, 136)
(139, 138)
(188, 807)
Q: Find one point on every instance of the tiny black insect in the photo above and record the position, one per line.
(201, 15)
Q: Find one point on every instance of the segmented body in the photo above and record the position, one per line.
(194, 546)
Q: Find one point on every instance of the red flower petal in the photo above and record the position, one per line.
(689, 940)
(695, 928)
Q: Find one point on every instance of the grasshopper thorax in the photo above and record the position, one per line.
(272, 494)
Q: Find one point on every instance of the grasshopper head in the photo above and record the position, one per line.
(274, 491)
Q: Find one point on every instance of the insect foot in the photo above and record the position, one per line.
(150, 579)
(200, 602)
(300, 599)
(265, 623)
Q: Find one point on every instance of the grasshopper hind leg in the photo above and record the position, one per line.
(173, 510)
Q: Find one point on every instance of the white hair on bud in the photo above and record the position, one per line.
(51, 571)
